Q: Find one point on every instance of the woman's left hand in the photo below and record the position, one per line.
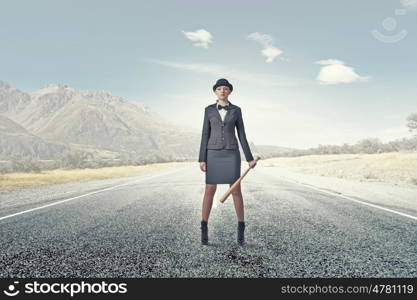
(252, 163)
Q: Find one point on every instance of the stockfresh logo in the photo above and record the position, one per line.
(11, 289)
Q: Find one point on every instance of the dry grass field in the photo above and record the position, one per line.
(13, 181)
(394, 167)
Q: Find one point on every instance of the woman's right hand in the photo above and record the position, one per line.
(203, 166)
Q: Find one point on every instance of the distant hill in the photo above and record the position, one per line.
(93, 120)
(57, 118)
(17, 140)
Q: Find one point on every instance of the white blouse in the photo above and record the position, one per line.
(221, 111)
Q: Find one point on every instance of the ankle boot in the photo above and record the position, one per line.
(204, 233)
(241, 232)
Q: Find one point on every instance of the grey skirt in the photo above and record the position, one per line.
(223, 166)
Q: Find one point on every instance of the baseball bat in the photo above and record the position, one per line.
(229, 191)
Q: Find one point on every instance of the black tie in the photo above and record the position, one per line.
(226, 107)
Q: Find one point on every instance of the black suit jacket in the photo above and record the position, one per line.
(218, 134)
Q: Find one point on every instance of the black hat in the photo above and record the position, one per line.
(221, 82)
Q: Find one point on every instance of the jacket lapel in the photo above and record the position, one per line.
(229, 112)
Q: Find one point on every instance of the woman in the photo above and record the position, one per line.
(219, 154)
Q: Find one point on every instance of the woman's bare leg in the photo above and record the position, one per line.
(208, 200)
(238, 202)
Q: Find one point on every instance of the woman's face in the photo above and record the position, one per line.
(222, 92)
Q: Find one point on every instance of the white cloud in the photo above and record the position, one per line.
(335, 71)
(409, 3)
(222, 71)
(269, 51)
(201, 37)
(264, 39)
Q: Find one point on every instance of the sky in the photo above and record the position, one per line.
(304, 72)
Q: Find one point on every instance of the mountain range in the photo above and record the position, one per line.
(57, 118)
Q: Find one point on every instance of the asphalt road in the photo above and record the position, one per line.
(150, 228)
